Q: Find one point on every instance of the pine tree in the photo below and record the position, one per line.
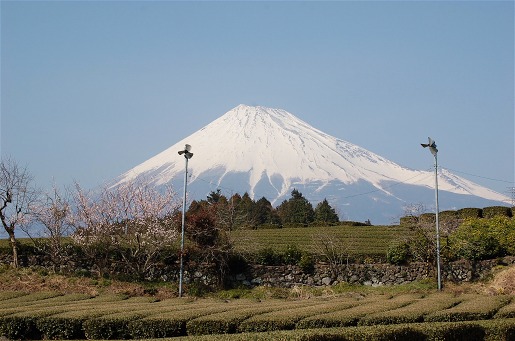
(264, 213)
(297, 210)
(324, 213)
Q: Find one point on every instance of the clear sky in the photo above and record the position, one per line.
(92, 89)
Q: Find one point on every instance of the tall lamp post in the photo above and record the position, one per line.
(187, 155)
(432, 148)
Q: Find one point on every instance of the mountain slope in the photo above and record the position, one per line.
(267, 152)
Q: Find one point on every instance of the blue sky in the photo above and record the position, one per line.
(92, 89)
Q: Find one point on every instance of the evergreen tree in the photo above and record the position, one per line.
(245, 211)
(214, 197)
(297, 210)
(264, 213)
(324, 213)
(283, 211)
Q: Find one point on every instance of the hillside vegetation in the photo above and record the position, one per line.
(354, 240)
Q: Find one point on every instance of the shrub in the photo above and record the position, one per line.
(508, 311)
(413, 312)
(447, 215)
(60, 328)
(497, 329)
(19, 327)
(427, 218)
(479, 239)
(496, 211)
(156, 327)
(284, 317)
(453, 331)
(105, 328)
(351, 316)
(307, 263)
(466, 213)
(398, 253)
(292, 254)
(473, 240)
(408, 221)
(236, 263)
(268, 256)
(473, 307)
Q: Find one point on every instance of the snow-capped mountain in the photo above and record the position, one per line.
(268, 152)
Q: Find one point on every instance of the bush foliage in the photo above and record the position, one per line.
(369, 317)
(478, 239)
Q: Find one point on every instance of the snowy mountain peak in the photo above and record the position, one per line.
(268, 152)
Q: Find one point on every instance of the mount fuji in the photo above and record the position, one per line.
(268, 152)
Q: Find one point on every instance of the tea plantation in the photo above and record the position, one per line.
(428, 315)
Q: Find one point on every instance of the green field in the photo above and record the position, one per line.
(347, 316)
(354, 239)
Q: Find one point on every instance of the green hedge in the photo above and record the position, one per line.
(492, 330)
(156, 327)
(496, 211)
(413, 312)
(470, 212)
(60, 328)
(408, 221)
(19, 327)
(448, 216)
(179, 318)
(106, 328)
(473, 308)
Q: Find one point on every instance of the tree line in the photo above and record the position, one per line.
(244, 212)
(133, 226)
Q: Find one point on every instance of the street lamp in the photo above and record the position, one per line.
(432, 148)
(187, 155)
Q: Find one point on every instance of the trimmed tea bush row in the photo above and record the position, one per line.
(351, 316)
(413, 312)
(473, 307)
(113, 317)
(508, 311)
(373, 239)
(493, 330)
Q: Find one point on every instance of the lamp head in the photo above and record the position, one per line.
(186, 152)
(432, 146)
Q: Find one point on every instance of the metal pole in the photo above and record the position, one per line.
(437, 226)
(182, 231)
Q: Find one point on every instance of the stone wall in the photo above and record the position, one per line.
(364, 274)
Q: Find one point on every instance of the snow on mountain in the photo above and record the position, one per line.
(268, 152)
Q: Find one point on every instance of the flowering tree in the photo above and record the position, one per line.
(52, 215)
(131, 223)
(17, 196)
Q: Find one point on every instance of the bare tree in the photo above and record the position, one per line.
(335, 250)
(422, 239)
(17, 196)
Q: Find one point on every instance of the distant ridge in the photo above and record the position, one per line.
(268, 152)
